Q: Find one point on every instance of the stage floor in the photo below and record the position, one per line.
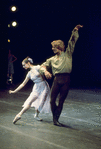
(81, 117)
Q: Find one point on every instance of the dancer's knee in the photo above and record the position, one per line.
(27, 107)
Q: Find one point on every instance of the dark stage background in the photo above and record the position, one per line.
(42, 21)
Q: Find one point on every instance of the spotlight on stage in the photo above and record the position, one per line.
(14, 23)
(8, 25)
(13, 8)
(8, 40)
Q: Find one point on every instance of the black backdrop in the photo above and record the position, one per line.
(39, 23)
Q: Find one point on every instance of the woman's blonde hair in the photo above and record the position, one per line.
(58, 44)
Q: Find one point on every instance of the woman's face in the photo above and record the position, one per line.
(25, 65)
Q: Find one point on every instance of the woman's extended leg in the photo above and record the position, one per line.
(18, 116)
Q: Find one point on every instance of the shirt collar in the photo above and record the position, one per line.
(62, 52)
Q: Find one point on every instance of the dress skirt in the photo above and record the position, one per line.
(39, 97)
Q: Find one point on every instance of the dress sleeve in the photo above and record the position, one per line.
(38, 67)
(28, 75)
(72, 41)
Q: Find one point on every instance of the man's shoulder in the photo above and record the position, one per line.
(51, 57)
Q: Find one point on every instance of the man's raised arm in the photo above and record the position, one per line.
(73, 39)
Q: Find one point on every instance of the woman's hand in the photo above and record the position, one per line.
(10, 91)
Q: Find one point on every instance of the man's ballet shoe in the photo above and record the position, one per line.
(16, 119)
(57, 123)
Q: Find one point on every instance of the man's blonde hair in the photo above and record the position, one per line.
(58, 44)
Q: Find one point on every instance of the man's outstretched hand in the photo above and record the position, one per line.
(78, 26)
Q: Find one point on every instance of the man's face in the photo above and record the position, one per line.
(55, 50)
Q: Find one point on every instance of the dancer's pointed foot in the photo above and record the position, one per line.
(37, 117)
(17, 117)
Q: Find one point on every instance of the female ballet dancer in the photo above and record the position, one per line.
(10, 71)
(40, 95)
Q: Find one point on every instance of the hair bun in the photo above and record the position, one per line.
(30, 60)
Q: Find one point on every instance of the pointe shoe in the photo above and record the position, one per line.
(37, 118)
(16, 119)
